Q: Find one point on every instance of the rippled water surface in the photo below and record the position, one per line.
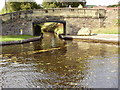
(52, 62)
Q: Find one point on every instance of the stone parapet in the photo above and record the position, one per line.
(65, 12)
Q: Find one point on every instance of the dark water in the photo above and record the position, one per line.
(52, 63)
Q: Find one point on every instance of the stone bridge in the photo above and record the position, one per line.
(72, 19)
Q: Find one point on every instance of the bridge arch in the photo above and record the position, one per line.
(72, 19)
(44, 21)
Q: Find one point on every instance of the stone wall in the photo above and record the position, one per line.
(111, 18)
(74, 17)
(13, 27)
(75, 24)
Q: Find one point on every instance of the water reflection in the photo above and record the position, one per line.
(52, 62)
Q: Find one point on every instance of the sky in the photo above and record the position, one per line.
(89, 2)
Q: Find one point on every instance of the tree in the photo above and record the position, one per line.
(115, 5)
(19, 6)
(49, 5)
(62, 3)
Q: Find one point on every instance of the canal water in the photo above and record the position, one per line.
(55, 63)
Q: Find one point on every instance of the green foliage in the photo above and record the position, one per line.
(49, 5)
(56, 4)
(115, 5)
(49, 26)
(117, 21)
(15, 37)
(9, 9)
(19, 6)
(59, 30)
(108, 30)
(52, 27)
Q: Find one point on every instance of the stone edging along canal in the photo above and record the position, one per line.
(20, 41)
(77, 38)
(101, 38)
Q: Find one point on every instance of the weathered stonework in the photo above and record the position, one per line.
(14, 27)
(111, 18)
(74, 19)
(77, 23)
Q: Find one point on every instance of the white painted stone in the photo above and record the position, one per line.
(84, 31)
(80, 6)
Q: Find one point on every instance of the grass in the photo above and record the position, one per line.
(54, 27)
(59, 29)
(107, 30)
(46, 25)
(15, 37)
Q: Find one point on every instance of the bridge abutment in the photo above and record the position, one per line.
(14, 27)
(75, 24)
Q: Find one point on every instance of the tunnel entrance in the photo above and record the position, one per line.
(36, 30)
(38, 27)
(52, 27)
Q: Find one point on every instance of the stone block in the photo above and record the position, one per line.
(84, 31)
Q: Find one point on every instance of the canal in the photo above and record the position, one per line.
(55, 63)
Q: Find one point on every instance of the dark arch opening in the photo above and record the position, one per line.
(37, 28)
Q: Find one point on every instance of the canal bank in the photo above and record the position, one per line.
(96, 38)
(20, 41)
